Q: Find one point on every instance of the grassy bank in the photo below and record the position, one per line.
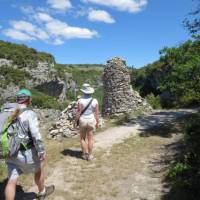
(184, 174)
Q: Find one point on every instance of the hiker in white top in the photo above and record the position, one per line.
(87, 117)
(27, 159)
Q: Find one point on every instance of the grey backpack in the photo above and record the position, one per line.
(12, 133)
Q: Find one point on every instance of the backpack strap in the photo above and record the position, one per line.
(4, 140)
(22, 127)
(82, 112)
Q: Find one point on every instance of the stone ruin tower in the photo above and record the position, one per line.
(119, 97)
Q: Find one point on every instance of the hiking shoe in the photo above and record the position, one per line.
(48, 191)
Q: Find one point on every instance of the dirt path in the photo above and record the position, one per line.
(128, 166)
(106, 139)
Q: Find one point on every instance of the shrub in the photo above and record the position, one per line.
(16, 76)
(99, 96)
(23, 56)
(154, 101)
(42, 100)
(185, 173)
(178, 169)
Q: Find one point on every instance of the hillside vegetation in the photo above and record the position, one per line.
(174, 78)
(15, 76)
(23, 56)
(79, 74)
(90, 73)
(26, 58)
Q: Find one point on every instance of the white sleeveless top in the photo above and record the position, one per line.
(89, 113)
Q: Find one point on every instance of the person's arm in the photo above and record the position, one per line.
(36, 135)
(97, 115)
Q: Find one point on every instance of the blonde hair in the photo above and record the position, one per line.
(15, 114)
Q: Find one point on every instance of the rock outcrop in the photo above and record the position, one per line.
(42, 77)
(119, 97)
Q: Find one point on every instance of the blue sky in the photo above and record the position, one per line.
(93, 31)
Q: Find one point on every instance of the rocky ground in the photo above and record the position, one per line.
(131, 162)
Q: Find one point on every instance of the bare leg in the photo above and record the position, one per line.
(39, 179)
(10, 189)
(90, 142)
(83, 143)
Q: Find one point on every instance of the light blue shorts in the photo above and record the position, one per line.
(24, 162)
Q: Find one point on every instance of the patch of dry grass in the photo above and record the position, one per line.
(101, 177)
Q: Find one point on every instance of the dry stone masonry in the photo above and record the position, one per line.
(119, 97)
(64, 127)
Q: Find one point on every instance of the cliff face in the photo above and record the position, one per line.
(42, 77)
(21, 66)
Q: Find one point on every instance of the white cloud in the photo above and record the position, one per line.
(100, 16)
(30, 29)
(17, 35)
(122, 5)
(27, 9)
(59, 28)
(48, 29)
(61, 5)
(43, 17)
(58, 41)
(23, 26)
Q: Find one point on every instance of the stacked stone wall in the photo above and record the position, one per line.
(119, 97)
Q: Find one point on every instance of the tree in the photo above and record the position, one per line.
(192, 23)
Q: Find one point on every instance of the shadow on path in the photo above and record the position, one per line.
(72, 153)
(166, 124)
(161, 123)
(20, 193)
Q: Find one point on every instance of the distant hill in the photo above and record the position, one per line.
(51, 83)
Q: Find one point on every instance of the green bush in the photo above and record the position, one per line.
(41, 100)
(154, 101)
(71, 95)
(16, 76)
(178, 169)
(23, 56)
(185, 172)
(177, 72)
(99, 96)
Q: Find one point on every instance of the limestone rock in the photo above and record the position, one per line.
(64, 126)
(43, 77)
(119, 97)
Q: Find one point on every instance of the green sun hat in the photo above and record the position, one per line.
(24, 93)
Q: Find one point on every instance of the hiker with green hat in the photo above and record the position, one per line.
(30, 156)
